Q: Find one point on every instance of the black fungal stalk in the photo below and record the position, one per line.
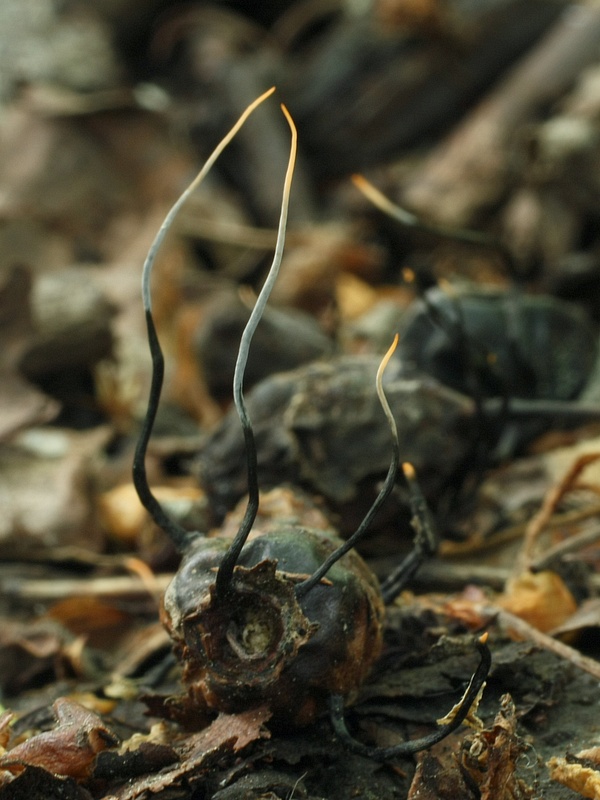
(179, 536)
(424, 546)
(227, 566)
(384, 493)
(448, 725)
(250, 628)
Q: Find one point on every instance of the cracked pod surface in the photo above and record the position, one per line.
(262, 644)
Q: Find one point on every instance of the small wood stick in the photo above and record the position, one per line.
(551, 501)
(529, 633)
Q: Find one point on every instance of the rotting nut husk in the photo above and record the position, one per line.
(263, 645)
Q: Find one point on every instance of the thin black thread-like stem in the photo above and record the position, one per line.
(178, 535)
(390, 480)
(336, 712)
(425, 544)
(227, 566)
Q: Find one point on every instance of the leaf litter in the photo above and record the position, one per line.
(318, 423)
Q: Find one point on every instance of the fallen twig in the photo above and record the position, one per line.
(524, 630)
(540, 521)
(470, 170)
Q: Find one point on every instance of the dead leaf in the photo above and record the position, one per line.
(35, 783)
(124, 517)
(580, 772)
(541, 599)
(23, 405)
(591, 754)
(492, 755)
(586, 617)
(354, 296)
(28, 651)
(44, 493)
(310, 269)
(580, 778)
(436, 778)
(69, 749)
(84, 615)
(198, 752)
(280, 506)
(239, 729)
(6, 719)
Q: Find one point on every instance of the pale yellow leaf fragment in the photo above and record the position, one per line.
(578, 777)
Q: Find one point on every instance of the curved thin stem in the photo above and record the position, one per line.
(169, 219)
(225, 571)
(454, 720)
(180, 537)
(410, 220)
(425, 543)
(388, 485)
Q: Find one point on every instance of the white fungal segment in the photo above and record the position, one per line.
(263, 297)
(164, 228)
(381, 394)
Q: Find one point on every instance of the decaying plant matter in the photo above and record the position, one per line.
(290, 618)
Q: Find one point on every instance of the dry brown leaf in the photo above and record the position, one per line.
(492, 756)
(68, 750)
(124, 517)
(30, 650)
(581, 772)
(580, 778)
(238, 729)
(135, 649)
(354, 296)
(92, 702)
(6, 719)
(541, 599)
(436, 777)
(44, 492)
(22, 405)
(188, 388)
(310, 269)
(587, 616)
(84, 615)
(281, 506)
(198, 752)
(590, 754)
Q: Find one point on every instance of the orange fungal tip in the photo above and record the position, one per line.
(484, 637)
(391, 349)
(386, 358)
